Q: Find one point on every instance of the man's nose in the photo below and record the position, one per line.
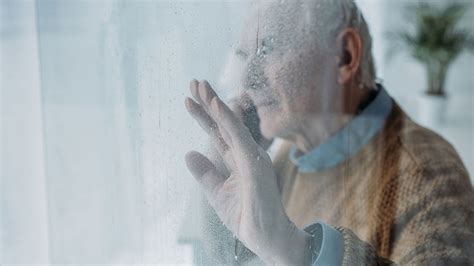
(253, 76)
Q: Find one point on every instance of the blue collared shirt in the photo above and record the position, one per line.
(340, 147)
(349, 140)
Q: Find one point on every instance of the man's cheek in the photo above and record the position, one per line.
(267, 127)
(269, 117)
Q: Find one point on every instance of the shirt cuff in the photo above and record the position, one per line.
(330, 243)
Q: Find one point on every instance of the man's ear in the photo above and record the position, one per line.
(349, 55)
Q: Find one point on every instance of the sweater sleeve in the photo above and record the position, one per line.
(358, 252)
(340, 246)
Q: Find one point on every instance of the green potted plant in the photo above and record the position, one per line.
(435, 39)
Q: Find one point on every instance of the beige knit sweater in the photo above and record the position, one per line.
(405, 197)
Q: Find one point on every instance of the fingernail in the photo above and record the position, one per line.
(202, 91)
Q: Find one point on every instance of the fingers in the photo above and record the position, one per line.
(213, 111)
(205, 173)
(240, 135)
(220, 139)
(207, 124)
(206, 92)
(202, 93)
(193, 87)
(197, 112)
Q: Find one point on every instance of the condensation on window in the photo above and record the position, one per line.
(235, 132)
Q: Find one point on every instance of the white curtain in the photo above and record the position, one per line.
(93, 129)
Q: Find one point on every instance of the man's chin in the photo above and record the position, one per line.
(271, 124)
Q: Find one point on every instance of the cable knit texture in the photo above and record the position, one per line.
(404, 198)
(357, 252)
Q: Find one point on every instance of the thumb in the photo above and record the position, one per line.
(205, 173)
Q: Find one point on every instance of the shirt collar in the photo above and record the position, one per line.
(349, 140)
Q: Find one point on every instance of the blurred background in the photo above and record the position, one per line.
(93, 126)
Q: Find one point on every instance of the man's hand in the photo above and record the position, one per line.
(243, 107)
(248, 200)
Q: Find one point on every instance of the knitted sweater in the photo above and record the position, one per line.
(405, 198)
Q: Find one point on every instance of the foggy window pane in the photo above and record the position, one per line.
(306, 132)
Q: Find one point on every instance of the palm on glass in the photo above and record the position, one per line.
(247, 199)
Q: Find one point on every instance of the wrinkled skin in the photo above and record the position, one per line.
(289, 77)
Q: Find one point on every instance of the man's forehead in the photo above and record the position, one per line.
(273, 17)
(275, 14)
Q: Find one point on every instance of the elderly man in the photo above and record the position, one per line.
(356, 181)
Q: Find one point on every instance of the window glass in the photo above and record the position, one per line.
(215, 132)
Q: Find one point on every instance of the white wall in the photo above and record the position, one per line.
(405, 78)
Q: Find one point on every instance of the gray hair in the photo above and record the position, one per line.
(321, 22)
(333, 16)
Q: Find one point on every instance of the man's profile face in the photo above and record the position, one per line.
(286, 74)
